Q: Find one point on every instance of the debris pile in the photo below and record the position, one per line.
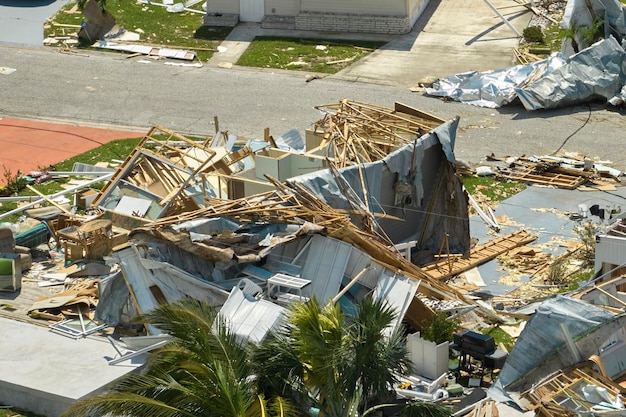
(380, 210)
(558, 172)
(353, 132)
(587, 68)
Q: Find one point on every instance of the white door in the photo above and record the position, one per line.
(251, 10)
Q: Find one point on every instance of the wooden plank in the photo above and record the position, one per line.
(447, 268)
(569, 182)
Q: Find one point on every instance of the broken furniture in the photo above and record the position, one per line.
(10, 272)
(33, 237)
(8, 245)
(92, 240)
(249, 287)
(286, 289)
(49, 218)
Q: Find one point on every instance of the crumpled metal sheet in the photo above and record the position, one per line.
(595, 72)
(598, 71)
(619, 99)
(494, 88)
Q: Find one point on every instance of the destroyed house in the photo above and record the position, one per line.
(392, 169)
(234, 222)
(568, 352)
(282, 247)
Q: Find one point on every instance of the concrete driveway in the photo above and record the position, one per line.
(450, 37)
(21, 21)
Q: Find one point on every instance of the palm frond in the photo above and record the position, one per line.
(123, 404)
(203, 371)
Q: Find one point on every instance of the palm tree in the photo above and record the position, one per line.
(335, 362)
(378, 357)
(204, 371)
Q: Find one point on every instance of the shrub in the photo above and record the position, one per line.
(441, 329)
(533, 34)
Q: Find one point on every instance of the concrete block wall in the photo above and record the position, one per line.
(357, 23)
(221, 19)
(278, 22)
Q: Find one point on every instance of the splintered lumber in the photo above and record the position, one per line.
(162, 164)
(566, 181)
(355, 132)
(561, 394)
(294, 204)
(546, 172)
(447, 268)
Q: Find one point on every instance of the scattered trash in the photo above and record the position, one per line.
(7, 70)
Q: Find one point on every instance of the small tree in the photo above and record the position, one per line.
(14, 182)
(441, 329)
(587, 233)
(337, 362)
(557, 273)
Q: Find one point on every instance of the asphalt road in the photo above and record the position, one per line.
(109, 89)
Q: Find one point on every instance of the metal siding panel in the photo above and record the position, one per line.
(250, 319)
(325, 265)
(609, 249)
(398, 291)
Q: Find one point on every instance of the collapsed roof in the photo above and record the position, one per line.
(387, 177)
(561, 333)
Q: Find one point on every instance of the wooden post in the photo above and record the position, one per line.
(49, 200)
(350, 284)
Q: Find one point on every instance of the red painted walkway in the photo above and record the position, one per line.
(28, 145)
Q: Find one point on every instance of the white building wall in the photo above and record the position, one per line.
(282, 7)
(375, 7)
(415, 9)
(609, 250)
(222, 6)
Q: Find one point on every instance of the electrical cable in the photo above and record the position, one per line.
(575, 131)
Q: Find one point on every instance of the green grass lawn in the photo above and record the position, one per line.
(158, 27)
(155, 24)
(316, 55)
(491, 189)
